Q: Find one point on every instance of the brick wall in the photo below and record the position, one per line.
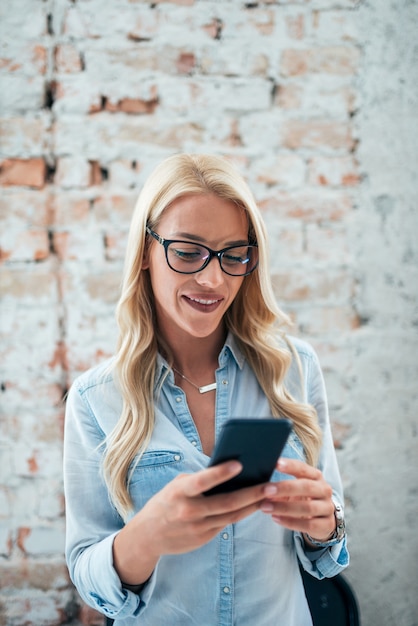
(315, 102)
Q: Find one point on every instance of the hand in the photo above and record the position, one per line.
(303, 504)
(184, 519)
(179, 518)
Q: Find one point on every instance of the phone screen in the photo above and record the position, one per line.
(257, 443)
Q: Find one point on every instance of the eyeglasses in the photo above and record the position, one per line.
(186, 257)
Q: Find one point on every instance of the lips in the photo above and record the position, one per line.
(203, 304)
(202, 301)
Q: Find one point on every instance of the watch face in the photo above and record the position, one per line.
(339, 516)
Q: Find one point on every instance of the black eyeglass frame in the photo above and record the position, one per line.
(212, 253)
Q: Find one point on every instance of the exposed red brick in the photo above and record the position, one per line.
(32, 59)
(295, 26)
(115, 245)
(22, 533)
(184, 3)
(67, 59)
(10, 65)
(309, 206)
(95, 106)
(316, 133)
(23, 172)
(262, 19)
(40, 58)
(95, 173)
(339, 60)
(289, 96)
(100, 355)
(320, 319)
(350, 179)
(72, 172)
(234, 138)
(333, 171)
(27, 207)
(59, 356)
(33, 466)
(314, 286)
(137, 106)
(9, 544)
(60, 244)
(134, 106)
(39, 574)
(214, 28)
(4, 255)
(90, 617)
(186, 62)
(69, 207)
(26, 245)
(110, 105)
(340, 433)
(115, 206)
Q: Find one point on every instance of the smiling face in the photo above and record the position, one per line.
(193, 305)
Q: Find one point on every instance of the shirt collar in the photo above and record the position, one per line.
(230, 349)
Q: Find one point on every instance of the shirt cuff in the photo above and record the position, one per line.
(324, 562)
(108, 596)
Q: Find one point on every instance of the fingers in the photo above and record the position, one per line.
(302, 489)
(306, 508)
(184, 519)
(310, 483)
(196, 484)
(304, 504)
(298, 469)
(241, 502)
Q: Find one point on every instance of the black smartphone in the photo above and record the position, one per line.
(257, 443)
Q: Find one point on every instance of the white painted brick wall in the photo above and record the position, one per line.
(316, 102)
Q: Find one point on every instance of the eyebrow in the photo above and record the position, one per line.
(198, 239)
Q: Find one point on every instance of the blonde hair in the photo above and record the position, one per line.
(254, 318)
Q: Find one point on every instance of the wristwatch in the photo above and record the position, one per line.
(339, 532)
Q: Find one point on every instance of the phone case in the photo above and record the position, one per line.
(257, 443)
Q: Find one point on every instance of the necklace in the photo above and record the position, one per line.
(203, 389)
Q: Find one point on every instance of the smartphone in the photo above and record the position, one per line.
(257, 443)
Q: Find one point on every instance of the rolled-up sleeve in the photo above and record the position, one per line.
(323, 562)
(91, 520)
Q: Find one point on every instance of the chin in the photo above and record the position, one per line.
(203, 332)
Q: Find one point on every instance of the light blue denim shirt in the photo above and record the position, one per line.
(249, 574)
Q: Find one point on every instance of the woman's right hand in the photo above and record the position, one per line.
(179, 518)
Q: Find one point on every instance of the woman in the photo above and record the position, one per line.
(200, 341)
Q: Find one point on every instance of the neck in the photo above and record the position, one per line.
(195, 357)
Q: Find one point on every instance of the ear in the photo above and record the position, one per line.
(145, 257)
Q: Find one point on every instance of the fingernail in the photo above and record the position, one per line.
(270, 490)
(282, 464)
(267, 507)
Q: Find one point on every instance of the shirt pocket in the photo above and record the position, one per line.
(154, 470)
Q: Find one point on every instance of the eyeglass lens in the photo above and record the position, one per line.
(190, 257)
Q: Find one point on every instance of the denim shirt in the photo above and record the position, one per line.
(249, 573)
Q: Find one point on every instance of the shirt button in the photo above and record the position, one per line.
(178, 399)
(177, 457)
(225, 536)
(224, 382)
(194, 443)
(227, 590)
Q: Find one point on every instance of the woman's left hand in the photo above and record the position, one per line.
(303, 504)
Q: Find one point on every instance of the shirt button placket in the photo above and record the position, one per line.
(226, 550)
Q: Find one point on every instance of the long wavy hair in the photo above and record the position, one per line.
(254, 318)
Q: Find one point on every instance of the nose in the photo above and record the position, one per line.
(211, 275)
